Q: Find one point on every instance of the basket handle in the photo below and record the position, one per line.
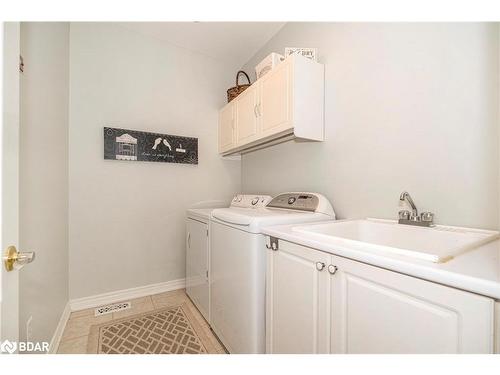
(238, 76)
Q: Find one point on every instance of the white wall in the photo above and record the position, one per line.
(127, 218)
(43, 170)
(408, 107)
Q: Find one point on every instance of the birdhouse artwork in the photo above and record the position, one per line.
(134, 145)
(126, 147)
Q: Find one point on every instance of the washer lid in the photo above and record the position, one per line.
(252, 220)
(236, 216)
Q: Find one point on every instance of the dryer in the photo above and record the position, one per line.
(198, 247)
(197, 258)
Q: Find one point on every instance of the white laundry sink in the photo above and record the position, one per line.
(436, 244)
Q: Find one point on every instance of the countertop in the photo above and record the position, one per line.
(477, 271)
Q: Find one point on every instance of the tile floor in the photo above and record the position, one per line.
(76, 333)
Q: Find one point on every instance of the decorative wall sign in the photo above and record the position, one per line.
(122, 144)
(310, 53)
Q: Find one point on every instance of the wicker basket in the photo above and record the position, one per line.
(233, 92)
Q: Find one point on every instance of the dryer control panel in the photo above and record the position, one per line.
(250, 200)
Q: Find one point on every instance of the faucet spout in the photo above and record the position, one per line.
(406, 196)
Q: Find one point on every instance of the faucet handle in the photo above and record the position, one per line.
(414, 216)
(427, 217)
(404, 215)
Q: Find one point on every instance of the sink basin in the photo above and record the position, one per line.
(436, 244)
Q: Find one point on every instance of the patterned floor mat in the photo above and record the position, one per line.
(165, 331)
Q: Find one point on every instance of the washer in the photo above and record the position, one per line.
(238, 264)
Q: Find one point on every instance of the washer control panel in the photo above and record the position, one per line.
(250, 200)
(295, 201)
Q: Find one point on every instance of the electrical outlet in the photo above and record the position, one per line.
(29, 329)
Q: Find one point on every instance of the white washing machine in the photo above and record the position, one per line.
(238, 264)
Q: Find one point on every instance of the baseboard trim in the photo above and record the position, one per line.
(120, 295)
(56, 338)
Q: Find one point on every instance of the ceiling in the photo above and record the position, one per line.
(232, 42)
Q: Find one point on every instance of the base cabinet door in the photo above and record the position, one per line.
(297, 300)
(379, 311)
(197, 265)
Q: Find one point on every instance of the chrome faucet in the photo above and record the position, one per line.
(406, 196)
(425, 219)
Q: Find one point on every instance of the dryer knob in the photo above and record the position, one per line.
(255, 201)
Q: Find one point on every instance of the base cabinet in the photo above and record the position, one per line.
(365, 309)
(297, 319)
(379, 311)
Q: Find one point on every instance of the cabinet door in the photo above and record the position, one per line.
(246, 115)
(379, 311)
(297, 300)
(275, 107)
(197, 265)
(226, 127)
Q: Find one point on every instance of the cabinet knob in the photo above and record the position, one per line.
(332, 269)
(320, 266)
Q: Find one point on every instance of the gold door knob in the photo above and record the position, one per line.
(14, 259)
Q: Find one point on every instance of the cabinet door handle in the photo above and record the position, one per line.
(332, 269)
(273, 244)
(320, 266)
(255, 110)
(189, 240)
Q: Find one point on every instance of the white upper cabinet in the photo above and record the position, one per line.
(226, 128)
(246, 116)
(275, 101)
(286, 103)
